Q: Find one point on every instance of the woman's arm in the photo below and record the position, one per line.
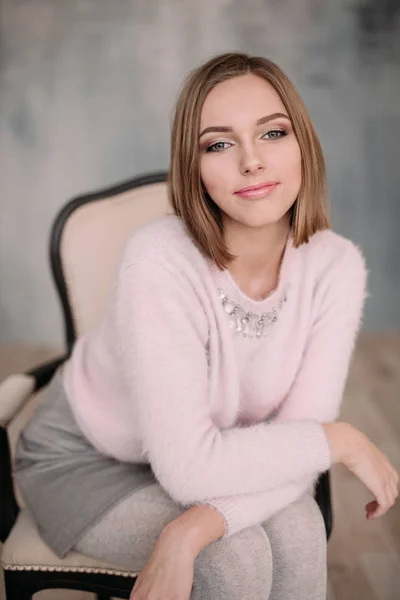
(316, 394)
(161, 334)
(203, 524)
(196, 528)
(317, 389)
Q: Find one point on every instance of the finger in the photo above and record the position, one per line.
(388, 502)
(375, 514)
(396, 480)
(391, 493)
(394, 490)
(393, 476)
(380, 505)
(384, 503)
(370, 508)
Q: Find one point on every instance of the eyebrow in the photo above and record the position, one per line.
(225, 129)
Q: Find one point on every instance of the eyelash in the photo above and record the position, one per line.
(283, 133)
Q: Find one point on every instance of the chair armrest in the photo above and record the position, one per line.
(8, 504)
(16, 389)
(44, 373)
(323, 498)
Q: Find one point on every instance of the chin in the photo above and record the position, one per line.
(258, 223)
(256, 217)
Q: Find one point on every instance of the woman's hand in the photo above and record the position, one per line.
(358, 454)
(168, 573)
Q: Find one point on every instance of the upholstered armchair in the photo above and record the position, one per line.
(85, 245)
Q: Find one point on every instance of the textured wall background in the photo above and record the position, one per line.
(86, 93)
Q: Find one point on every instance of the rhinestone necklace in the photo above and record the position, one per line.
(251, 324)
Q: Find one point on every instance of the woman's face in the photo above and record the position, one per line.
(249, 144)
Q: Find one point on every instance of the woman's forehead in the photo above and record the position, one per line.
(240, 99)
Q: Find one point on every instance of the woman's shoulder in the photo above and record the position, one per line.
(327, 251)
(160, 241)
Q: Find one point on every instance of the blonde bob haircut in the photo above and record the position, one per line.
(191, 202)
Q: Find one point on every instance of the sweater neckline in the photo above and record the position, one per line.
(225, 281)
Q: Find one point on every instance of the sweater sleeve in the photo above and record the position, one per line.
(317, 390)
(246, 510)
(161, 331)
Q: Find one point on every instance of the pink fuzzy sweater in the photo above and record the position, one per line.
(224, 419)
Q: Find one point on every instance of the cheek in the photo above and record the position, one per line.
(214, 174)
(290, 163)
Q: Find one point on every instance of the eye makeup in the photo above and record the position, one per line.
(218, 146)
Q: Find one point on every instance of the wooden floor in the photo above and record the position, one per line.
(363, 556)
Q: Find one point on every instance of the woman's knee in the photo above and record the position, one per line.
(298, 526)
(235, 568)
(298, 539)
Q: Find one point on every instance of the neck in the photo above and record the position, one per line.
(259, 254)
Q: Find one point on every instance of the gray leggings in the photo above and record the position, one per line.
(283, 558)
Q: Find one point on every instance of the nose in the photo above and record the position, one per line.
(251, 162)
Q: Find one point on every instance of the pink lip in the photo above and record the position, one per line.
(258, 190)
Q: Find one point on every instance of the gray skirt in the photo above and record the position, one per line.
(66, 483)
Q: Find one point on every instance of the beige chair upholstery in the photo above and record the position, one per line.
(25, 550)
(15, 390)
(91, 245)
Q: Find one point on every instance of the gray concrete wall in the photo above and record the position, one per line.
(86, 92)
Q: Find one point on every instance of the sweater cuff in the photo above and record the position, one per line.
(322, 448)
(222, 511)
(232, 514)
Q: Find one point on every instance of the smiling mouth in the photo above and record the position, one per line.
(257, 191)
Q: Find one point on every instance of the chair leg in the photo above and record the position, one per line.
(16, 588)
(23, 585)
(16, 591)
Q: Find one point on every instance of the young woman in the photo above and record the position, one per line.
(184, 437)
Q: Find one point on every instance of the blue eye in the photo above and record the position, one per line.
(216, 147)
(276, 134)
(271, 135)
